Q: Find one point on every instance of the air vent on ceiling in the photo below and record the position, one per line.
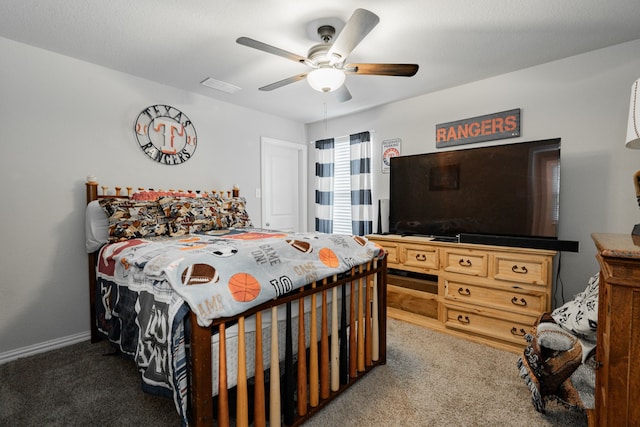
(220, 85)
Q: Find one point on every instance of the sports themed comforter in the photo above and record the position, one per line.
(146, 288)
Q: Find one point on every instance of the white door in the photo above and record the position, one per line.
(283, 186)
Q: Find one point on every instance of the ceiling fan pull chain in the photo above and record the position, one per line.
(325, 114)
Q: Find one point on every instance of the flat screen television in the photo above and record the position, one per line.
(504, 190)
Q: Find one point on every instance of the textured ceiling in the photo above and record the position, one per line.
(180, 43)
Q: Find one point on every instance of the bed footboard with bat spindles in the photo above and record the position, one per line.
(358, 334)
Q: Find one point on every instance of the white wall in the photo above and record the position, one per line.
(583, 99)
(63, 119)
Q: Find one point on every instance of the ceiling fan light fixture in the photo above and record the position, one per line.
(326, 79)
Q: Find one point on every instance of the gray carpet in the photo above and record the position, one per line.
(430, 379)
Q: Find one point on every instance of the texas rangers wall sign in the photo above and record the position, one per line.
(166, 134)
(490, 127)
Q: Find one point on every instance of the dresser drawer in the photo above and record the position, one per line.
(422, 257)
(392, 253)
(500, 298)
(465, 261)
(503, 326)
(521, 269)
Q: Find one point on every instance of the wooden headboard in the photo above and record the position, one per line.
(92, 191)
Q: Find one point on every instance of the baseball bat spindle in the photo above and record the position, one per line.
(302, 361)
(335, 354)
(289, 383)
(242, 405)
(274, 382)
(375, 339)
(259, 413)
(344, 350)
(223, 394)
(314, 392)
(361, 296)
(324, 347)
(353, 355)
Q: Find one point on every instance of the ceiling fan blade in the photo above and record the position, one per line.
(246, 41)
(342, 94)
(284, 82)
(402, 70)
(359, 25)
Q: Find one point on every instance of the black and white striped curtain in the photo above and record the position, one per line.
(361, 205)
(324, 185)
(361, 200)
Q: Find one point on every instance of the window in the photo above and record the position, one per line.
(343, 185)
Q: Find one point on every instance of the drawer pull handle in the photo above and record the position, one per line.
(421, 257)
(466, 292)
(463, 319)
(519, 270)
(517, 332)
(521, 301)
(465, 263)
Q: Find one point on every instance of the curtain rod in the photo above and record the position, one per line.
(342, 136)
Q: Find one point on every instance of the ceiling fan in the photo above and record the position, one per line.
(328, 59)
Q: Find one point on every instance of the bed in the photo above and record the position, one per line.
(270, 338)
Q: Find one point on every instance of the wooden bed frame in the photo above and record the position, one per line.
(322, 371)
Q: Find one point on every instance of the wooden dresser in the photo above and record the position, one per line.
(618, 348)
(488, 294)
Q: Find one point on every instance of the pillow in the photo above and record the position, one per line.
(190, 214)
(145, 195)
(580, 315)
(130, 219)
(96, 227)
(233, 213)
(155, 195)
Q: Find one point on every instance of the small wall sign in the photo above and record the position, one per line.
(390, 148)
(502, 125)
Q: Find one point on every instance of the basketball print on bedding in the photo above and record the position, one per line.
(244, 287)
(329, 258)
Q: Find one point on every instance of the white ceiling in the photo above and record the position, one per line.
(181, 42)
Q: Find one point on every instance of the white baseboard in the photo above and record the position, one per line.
(43, 347)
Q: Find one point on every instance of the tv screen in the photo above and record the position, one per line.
(504, 190)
